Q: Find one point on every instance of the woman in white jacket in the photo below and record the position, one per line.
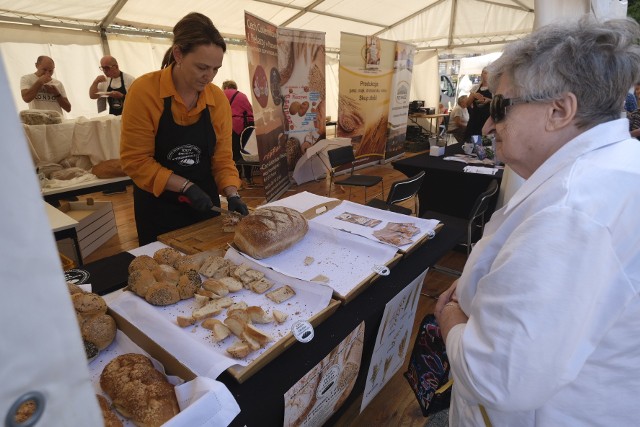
(541, 328)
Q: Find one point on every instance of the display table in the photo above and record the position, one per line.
(261, 396)
(97, 138)
(446, 188)
(433, 119)
(64, 227)
(54, 195)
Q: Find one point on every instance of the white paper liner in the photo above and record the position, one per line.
(345, 259)
(304, 201)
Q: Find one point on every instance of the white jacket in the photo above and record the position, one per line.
(551, 291)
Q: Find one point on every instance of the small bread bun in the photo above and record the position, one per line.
(166, 273)
(140, 281)
(166, 256)
(100, 330)
(88, 304)
(186, 263)
(162, 293)
(188, 284)
(142, 262)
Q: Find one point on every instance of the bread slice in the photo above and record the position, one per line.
(240, 312)
(217, 287)
(236, 324)
(256, 334)
(201, 299)
(233, 284)
(246, 274)
(219, 330)
(215, 266)
(184, 321)
(258, 315)
(240, 304)
(281, 294)
(239, 350)
(279, 316)
(261, 286)
(212, 308)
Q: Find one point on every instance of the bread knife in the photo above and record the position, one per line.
(227, 212)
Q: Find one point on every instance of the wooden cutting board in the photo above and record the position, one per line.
(199, 237)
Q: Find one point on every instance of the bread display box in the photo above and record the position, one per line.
(185, 330)
(96, 223)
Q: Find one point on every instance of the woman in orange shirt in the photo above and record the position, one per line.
(176, 135)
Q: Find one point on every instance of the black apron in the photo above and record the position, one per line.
(478, 115)
(115, 105)
(187, 151)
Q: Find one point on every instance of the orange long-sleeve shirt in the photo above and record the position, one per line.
(140, 119)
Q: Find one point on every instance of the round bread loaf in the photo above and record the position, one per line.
(269, 230)
(88, 304)
(138, 390)
(166, 256)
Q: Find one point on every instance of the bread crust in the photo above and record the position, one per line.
(269, 230)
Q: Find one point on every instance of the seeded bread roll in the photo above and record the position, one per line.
(269, 230)
(99, 330)
(138, 390)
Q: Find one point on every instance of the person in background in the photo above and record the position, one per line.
(241, 114)
(41, 91)
(459, 118)
(541, 328)
(176, 135)
(636, 91)
(478, 106)
(113, 83)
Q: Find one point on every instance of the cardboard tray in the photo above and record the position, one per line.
(240, 373)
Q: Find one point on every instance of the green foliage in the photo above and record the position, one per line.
(633, 9)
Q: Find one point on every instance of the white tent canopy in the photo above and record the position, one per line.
(77, 33)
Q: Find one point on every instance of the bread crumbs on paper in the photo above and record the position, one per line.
(308, 260)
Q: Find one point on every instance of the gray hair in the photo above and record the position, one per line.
(596, 61)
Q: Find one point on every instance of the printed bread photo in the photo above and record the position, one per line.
(270, 230)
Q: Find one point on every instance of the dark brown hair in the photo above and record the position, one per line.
(194, 30)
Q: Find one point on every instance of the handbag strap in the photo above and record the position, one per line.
(485, 416)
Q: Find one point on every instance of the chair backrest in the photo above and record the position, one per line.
(482, 202)
(405, 189)
(341, 156)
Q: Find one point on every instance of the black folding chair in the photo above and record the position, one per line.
(344, 156)
(400, 191)
(474, 222)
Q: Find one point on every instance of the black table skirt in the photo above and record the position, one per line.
(446, 187)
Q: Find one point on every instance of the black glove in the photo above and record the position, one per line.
(198, 199)
(237, 205)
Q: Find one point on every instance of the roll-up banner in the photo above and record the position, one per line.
(301, 59)
(366, 70)
(262, 55)
(399, 102)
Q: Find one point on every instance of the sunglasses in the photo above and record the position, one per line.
(107, 67)
(499, 104)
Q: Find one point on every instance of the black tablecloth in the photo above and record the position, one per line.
(446, 187)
